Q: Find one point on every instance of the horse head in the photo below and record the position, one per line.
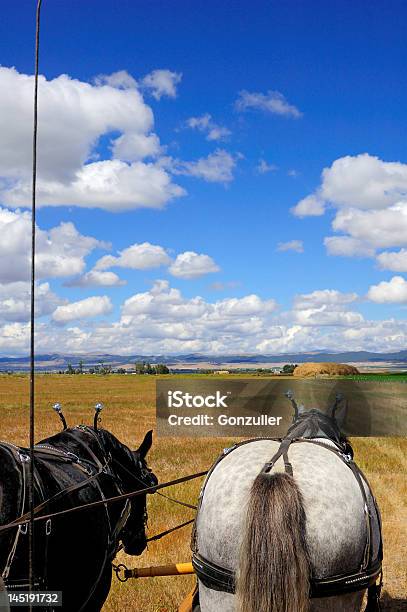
(129, 468)
(317, 423)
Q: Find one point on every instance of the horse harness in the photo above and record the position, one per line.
(218, 578)
(91, 468)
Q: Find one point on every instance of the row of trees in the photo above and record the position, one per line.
(289, 368)
(142, 367)
(101, 368)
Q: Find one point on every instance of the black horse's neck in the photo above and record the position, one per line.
(87, 443)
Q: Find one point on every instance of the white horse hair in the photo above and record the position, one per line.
(335, 530)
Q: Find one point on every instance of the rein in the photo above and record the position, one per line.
(109, 500)
(171, 499)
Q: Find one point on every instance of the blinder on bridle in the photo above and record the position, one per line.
(144, 475)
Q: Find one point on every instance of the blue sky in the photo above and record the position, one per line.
(215, 121)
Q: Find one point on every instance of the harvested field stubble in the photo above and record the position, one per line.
(129, 413)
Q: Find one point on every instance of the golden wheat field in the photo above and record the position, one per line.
(129, 412)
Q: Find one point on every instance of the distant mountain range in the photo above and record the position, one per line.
(56, 361)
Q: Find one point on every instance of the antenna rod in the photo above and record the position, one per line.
(31, 569)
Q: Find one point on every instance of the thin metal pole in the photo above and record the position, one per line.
(31, 561)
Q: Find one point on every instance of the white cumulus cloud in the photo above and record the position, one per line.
(205, 123)
(60, 251)
(193, 265)
(311, 206)
(164, 321)
(96, 278)
(389, 292)
(166, 305)
(15, 301)
(272, 102)
(396, 261)
(325, 307)
(89, 307)
(136, 257)
(377, 228)
(162, 83)
(73, 116)
(323, 297)
(14, 338)
(217, 167)
(364, 181)
(119, 80)
(347, 246)
(112, 185)
(370, 198)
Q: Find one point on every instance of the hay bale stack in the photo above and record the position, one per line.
(324, 369)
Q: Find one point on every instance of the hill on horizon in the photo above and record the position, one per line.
(57, 361)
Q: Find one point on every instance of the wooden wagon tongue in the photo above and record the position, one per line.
(173, 569)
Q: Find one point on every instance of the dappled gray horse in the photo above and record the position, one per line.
(288, 526)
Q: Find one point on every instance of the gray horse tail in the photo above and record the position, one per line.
(274, 567)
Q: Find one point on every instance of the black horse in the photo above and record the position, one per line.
(73, 552)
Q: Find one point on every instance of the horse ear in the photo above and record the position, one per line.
(290, 395)
(146, 444)
(339, 411)
(337, 403)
